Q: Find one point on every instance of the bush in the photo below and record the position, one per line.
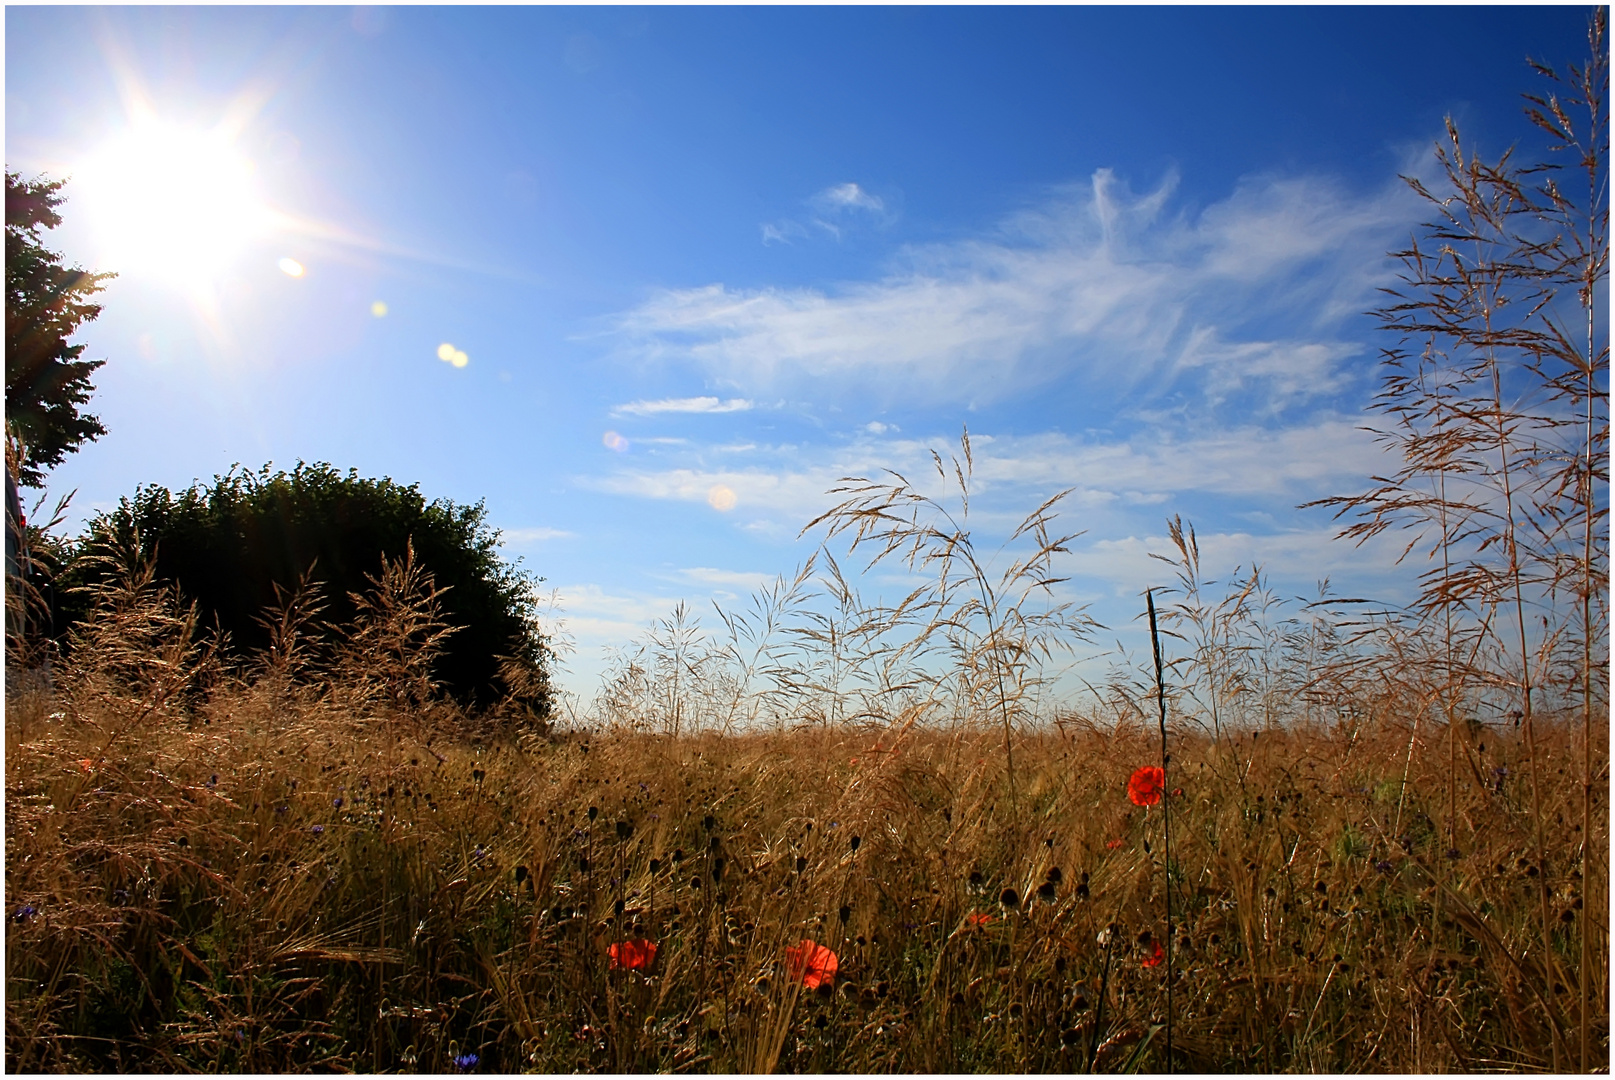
(240, 546)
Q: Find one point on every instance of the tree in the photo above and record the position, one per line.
(238, 547)
(46, 382)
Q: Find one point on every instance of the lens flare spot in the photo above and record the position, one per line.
(445, 353)
(291, 267)
(613, 441)
(379, 309)
(459, 359)
(721, 498)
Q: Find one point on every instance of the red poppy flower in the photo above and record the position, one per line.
(1154, 958)
(1114, 844)
(977, 920)
(813, 962)
(634, 955)
(1146, 785)
(86, 765)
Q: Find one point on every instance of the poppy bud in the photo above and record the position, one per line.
(1009, 898)
(655, 865)
(856, 840)
(624, 830)
(708, 823)
(594, 812)
(844, 914)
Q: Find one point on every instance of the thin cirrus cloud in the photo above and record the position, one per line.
(1096, 281)
(682, 405)
(533, 535)
(789, 486)
(834, 210)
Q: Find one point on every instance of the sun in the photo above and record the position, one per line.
(173, 203)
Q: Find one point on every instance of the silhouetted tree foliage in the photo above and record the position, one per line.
(229, 545)
(46, 382)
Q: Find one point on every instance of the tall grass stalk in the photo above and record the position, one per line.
(1166, 813)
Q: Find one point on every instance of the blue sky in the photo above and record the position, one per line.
(700, 263)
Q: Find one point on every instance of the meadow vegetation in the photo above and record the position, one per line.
(313, 862)
(835, 834)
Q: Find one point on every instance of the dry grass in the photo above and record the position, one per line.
(278, 870)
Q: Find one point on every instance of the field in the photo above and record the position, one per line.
(267, 868)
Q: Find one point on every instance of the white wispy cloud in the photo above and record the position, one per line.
(835, 209)
(681, 405)
(1247, 462)
(1096, 281)
(728, 579)
(848, 197)
(1299, 557)
(533, 535)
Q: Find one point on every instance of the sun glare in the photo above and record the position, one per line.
(176, 203)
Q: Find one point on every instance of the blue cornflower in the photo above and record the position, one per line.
(24, 913)
(466, 1062)
(337, 802)
(1384, 866)
(318, 829)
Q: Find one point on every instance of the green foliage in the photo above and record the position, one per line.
(241, 546)
(46, 382)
